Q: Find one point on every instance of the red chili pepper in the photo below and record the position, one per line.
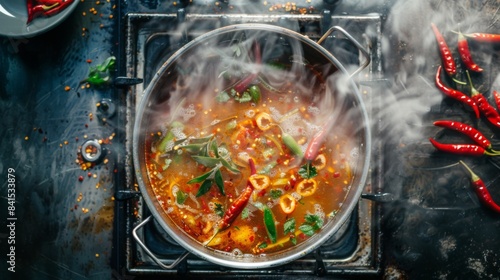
(468, 130)
(465, 55)
(46, 8)
(484, 106)
(317, 140)
(496, 95)
(455, 94)
(460, 149)
(481, 191)
(237, 206)
(245, 82)
(484, 37)
(446, 55)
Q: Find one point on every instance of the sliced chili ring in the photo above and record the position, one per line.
(259, 182)
(264, 121)
(319, 162)
(307, 187)
(287, 203)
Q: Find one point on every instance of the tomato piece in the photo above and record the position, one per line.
(260, 182)
(287, 203)
(307, 187)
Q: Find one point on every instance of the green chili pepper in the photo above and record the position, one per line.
(291, 144)
(255, 93)
(270, 225)
(162, 146)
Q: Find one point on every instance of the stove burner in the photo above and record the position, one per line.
(151, 38)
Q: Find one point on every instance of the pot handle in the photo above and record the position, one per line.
(151, 254)
(354, 41)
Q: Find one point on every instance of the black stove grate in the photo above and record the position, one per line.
(152, 38)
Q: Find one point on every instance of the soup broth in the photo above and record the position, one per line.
(291, 197)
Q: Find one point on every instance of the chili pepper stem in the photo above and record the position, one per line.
(473, 175)
(473, 90)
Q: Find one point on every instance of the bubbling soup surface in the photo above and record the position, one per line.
(200, 148)
(243, 131)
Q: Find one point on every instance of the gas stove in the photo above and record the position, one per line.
(142, 248)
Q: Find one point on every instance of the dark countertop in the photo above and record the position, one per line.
(435, 229)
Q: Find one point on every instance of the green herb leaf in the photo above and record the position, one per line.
(229, 165)
(201, 178)
(289, 226)
(219, 181)
(193, 148)
(101, 74)
(218, 210)
(207, 161)
(312, 224)
(293, 240)
(307, 229)
(222, 97)
(245, 97)
(181, 197)
(275, 194)
(245, 214)
(314, 220)
(204, 188)
(307, 171)
(263, 245)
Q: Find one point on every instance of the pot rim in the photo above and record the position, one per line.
(301, 249)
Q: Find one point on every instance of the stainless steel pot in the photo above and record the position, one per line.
(158, 92)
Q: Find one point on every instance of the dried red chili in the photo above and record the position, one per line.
(481, 191)
(455, 94)
(446, 54)
(465, 54)
(462, 149)
(468, 130)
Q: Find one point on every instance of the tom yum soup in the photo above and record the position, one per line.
(250, 153)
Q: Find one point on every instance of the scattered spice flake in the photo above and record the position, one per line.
(96, 255)
(89, 60)
(26, 138)
(85, 210)
(80, 197)
(80, 178)
(67, 88)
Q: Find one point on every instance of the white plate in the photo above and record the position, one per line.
(14, 14)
